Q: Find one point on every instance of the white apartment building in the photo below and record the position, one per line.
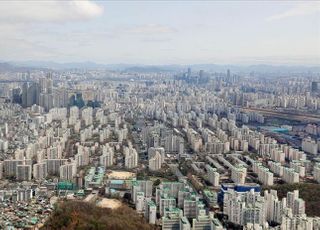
(213, 175)
(151, 212)
(40, 171)
(68, 171)
(131, 157)
(24, 172)
(310, 146)
(316, 172)
(238, 174)
(155, 161)
(264, 174)
(290, 176)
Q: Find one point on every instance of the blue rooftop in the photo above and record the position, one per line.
(119, 182)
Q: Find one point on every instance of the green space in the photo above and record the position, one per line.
(80, 215)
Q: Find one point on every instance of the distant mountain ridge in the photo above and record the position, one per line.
(160, 68)
(7, 67)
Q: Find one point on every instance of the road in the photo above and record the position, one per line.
(306, 117)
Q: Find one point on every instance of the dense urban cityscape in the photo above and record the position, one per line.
(159, 115)
(187, 150)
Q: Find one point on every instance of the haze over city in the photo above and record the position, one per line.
(149, 115)
(161, 32)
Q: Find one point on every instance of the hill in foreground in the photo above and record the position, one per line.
(79, 215)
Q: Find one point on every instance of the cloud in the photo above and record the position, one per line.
(29, 49)
(297, 10)
(48, 11)
(151, 29)
(27, 29)
(153, 39)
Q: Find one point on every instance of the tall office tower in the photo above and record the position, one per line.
(49, 83)
(315, 87)
(77, 100)
(40, 171)
(23, 172)
(24, 94)
(46, 84)
(189, 72)
(36, 93)
(16, 96)
(46, 97)
(201, 74)
(46, 101)
(68, 171)
(30, 94)
(43, 85)
(60, 98)
(228, 74)
(202, 78)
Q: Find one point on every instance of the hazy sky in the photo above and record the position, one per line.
(163, 32)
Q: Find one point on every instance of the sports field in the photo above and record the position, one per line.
(121, 175)
(109, 203)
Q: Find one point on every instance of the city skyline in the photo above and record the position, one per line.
(159, 33)
(171, 115)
